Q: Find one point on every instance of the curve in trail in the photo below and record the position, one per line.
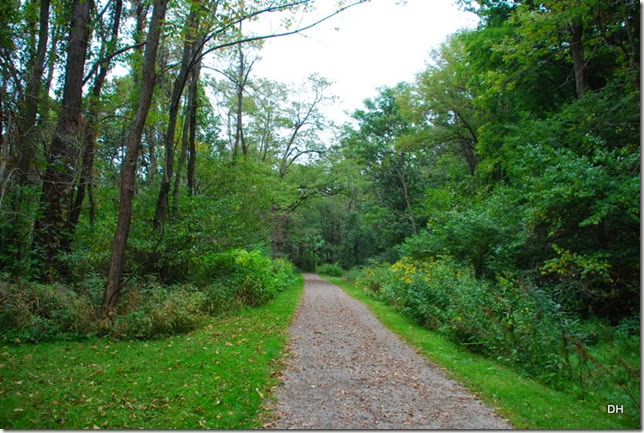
(347, 371)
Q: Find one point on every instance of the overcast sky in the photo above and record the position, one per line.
(375, 44)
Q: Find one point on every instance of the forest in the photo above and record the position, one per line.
(149, 180)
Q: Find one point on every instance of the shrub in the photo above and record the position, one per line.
(353, 274)
(518, 323)
(223, 282)
(373, 278)
(252, 276)
(36, 312)
(330, 269)
(160, 310)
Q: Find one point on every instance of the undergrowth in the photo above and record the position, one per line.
(33, 312)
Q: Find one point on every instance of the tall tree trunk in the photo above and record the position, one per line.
(56, 36)
(152, 155)
(91, 128)
(403, 181)
(577, 51)
(183, 154)
(241, 83)
(128, 170)
(188, 134)
(59, 177)
(27, 123)
(192, 153)
(192, 23)
(5, 119)
(140, 10)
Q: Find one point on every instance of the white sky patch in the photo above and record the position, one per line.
(371, 45)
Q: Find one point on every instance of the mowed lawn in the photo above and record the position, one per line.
(218, 377)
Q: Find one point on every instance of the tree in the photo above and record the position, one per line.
(59, 176)
(87, 167)
(443, 103)
(378, 145)
(302, 122)
(191, 46)
(27, 122)
(128, 171)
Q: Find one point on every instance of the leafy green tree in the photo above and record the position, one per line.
(379, 146)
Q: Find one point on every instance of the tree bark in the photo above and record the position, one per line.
(192, 152)
(27, 123)
(128, 170)
(403, 181)
(175, 101)
(90, 129)
(188, 134)
(577, 51)
(59, 177)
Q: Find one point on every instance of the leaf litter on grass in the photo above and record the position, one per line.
(166, 383)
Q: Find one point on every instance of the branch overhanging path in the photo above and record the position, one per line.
(350, 372)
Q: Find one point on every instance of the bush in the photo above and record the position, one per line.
(36, 312)
(222, 282)
(330, 269)
(160, 310)
(373, 278)
(514, 322)
(252, 276)
(353, 274)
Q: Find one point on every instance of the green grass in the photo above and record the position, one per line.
(218, 377)
(525, 402)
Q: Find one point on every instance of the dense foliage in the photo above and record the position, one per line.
(495, 198)
(503, 187)
(221, 283)
(136, 200)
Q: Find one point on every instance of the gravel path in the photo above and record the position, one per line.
(348, 371)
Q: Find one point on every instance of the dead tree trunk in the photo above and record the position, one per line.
(128, 170)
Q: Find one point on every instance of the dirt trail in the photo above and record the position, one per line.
(350, 372)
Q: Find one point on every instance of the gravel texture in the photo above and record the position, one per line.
(347, 371)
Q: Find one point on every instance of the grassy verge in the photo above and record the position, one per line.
(217, 377)
(526, 403)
